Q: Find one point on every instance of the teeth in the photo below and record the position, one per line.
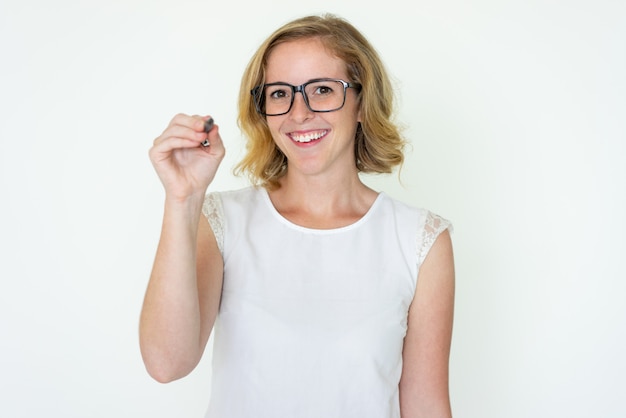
(308, 137)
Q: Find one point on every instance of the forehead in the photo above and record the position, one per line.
(296, 62)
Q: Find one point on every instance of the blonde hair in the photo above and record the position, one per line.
(378, 143)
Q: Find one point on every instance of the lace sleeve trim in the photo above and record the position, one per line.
(433, 226)
(212, 210)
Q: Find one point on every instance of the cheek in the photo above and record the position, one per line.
(274, 129)
(276, 136)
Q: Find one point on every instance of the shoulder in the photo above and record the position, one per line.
(402, 213)
(235, 194)
(219, 206)
(431, 228)
(230, 199)
(427, 220)
(425, 224)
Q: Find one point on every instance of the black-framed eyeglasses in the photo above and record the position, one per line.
(320, 95)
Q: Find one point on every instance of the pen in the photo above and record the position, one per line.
(208, 125)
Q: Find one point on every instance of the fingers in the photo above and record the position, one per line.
(203, 127)
(188, 132)
(213, 139)
(194, 122)
(184, 166)
(182, 133)
(184, 127)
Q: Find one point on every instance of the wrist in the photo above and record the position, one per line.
(188, 200)
(187, 207)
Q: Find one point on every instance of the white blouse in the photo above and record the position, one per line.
(312, 322)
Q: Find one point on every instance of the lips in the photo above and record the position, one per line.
(307, 137)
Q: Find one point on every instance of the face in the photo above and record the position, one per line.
(314, 143)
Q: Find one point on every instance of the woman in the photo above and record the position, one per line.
(329, 299)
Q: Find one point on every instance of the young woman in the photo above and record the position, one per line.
(328, 299)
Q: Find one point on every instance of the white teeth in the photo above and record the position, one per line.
(308, 137)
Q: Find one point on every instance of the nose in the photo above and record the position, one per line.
(299, 109)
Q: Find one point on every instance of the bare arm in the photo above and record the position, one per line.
(183, 293)
(424, 388)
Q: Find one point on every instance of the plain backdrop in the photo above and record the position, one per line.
(516, 115)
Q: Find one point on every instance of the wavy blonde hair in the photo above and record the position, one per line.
(378, 143)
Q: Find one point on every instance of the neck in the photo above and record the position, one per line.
(318, 203)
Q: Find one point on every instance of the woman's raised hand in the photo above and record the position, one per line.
(184, 165)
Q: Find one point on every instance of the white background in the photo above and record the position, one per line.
(516, 113)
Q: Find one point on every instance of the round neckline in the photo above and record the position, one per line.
(285, 221)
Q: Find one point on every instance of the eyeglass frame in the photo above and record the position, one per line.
(256, 91)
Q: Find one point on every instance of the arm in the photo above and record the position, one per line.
(183, 294)
(424, 382)
(182, 297)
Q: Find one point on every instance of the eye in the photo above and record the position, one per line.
(277, 92)
(323, 90)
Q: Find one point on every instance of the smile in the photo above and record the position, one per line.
(308, 137)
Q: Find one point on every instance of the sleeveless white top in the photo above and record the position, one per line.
(312, 322)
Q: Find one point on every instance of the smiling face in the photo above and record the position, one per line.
(314, 143)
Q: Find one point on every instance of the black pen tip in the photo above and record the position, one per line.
(208, 125)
